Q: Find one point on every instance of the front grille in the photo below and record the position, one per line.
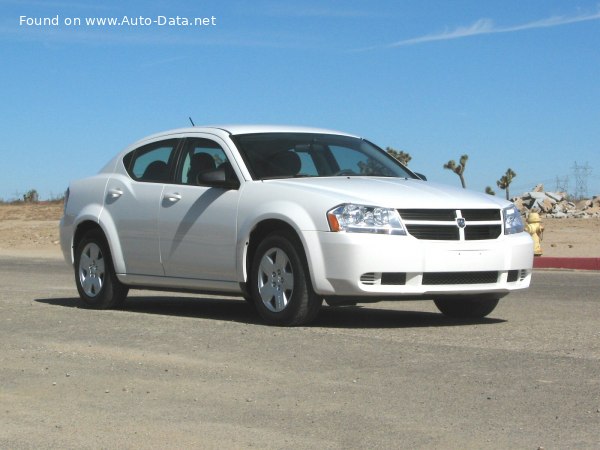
(434, 232)
(442, 224)
(438, 215)
(481, 214)
(443, 278)
(478, 232)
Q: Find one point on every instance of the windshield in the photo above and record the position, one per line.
(288, 155)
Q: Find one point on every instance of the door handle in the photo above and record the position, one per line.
(115, 193)
(175, 197)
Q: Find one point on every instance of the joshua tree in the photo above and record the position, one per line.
(489, 190)
(31, 196)
(458, 170)
(400, 155)
(505, 180)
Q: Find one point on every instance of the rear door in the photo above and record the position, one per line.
(133, 201)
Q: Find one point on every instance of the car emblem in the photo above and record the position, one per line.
(461, 222)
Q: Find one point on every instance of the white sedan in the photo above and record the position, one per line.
(287, 217)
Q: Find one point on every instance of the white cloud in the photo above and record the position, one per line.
(487, 26)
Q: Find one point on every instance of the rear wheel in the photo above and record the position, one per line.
(466, 307)
(280, 282)
(95, 276)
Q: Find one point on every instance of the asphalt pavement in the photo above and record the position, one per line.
(183, 371)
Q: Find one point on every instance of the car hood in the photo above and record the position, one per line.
(391, 192)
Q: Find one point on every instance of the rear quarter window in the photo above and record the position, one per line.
(152, 162)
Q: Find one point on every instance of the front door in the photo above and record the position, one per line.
(198, 228)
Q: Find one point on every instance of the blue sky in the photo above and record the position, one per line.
(510, 83)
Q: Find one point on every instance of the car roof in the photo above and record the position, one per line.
(246, 129)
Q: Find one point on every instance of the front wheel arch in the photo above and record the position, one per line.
(259, 233)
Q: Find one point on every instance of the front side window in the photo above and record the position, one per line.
(152, 162)
(286, 155)
(200, 156)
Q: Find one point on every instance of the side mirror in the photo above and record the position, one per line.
(421, 176)
(220, 177)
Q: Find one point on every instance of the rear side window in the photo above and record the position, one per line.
(152, 162)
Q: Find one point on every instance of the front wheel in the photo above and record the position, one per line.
(280, 282)
(466, 307)
(95, 276)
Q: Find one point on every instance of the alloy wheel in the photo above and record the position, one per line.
(91, 269)
(275, 280)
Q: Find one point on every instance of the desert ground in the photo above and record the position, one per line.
(31, 229)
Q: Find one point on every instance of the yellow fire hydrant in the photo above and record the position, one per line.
(536, 230)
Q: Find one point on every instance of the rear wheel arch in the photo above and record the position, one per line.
(82, 229)
(110, 234)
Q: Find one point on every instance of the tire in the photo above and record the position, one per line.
(466, 307)
(95, 276)
(280, 282)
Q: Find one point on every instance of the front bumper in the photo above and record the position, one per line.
(371, 265)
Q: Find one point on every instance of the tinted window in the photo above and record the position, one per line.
(152, 162)
(200, 155)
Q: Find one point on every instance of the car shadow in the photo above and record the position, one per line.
(232, 310)
(363, 316)
(238, 310)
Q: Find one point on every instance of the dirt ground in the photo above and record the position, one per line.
(32, 230)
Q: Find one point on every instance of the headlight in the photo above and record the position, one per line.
(364, 219)
(512, 220)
